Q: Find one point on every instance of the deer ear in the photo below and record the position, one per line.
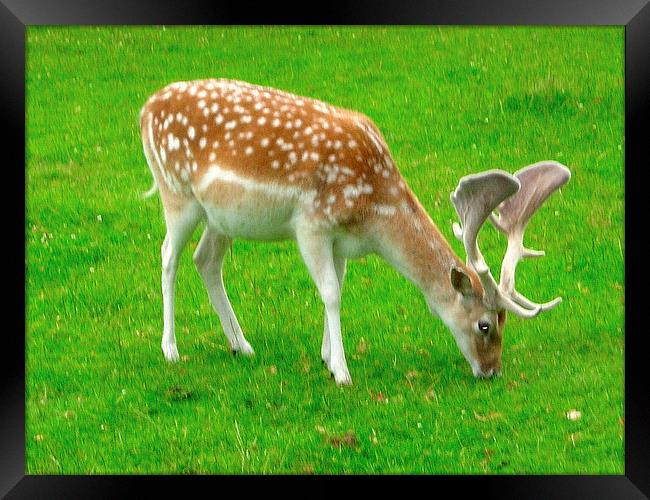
(461, 282)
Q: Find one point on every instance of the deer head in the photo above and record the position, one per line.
(478, 321)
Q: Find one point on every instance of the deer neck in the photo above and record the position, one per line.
(414, 246)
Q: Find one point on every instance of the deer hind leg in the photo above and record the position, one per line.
(316, 250)
(339, 266)
(208, 258)
(181, 222)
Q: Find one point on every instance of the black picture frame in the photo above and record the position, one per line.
(16, 15)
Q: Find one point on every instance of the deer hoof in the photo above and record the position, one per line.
(171, 352)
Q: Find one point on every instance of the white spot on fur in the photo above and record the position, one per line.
(319, 106)
(385, 210)
(351, 191)
(372, 135)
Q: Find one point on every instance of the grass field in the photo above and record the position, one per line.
(450, 101)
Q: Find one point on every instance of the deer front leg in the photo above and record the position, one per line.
(316, 250)
(339, 265)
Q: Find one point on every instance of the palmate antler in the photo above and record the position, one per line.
(516, 198)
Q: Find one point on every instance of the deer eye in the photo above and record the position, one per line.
(483, 327)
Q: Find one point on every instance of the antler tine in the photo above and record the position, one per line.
(458, 231)
(538, 182)
(476, 196)
(523, 301)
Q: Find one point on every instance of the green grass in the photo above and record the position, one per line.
(450, 101)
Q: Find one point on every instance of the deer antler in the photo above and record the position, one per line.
(475, 198)
(538, 182)
(516, 198)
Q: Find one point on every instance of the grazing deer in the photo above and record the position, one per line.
(262, 164)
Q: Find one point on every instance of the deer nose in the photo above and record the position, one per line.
(489, 373)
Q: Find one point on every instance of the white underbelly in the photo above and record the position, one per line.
(242, 207)
(251, 223)
(351, 246)
(239, 207)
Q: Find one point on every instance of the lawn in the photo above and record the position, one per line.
(100, 397)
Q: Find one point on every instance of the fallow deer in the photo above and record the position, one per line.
(262, 164)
